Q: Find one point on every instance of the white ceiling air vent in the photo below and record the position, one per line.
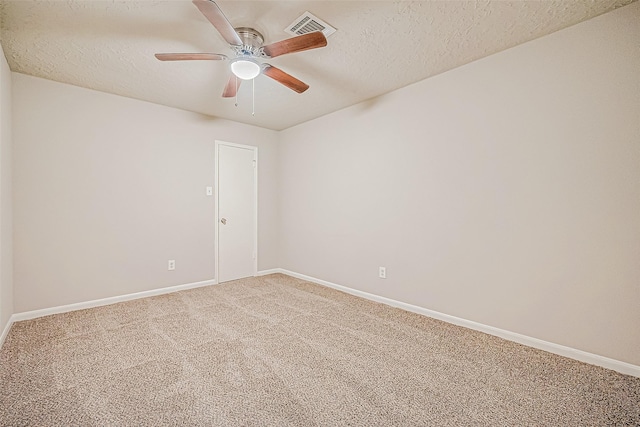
(308, 23)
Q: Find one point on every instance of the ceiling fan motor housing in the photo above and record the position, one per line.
(252, 42)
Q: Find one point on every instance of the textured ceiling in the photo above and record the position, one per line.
(379, 46)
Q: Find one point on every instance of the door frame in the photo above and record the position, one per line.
(217, 203)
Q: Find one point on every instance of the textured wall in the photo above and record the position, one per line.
(504, 192)
(6, 204)
(107, 189)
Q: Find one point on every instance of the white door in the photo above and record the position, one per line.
(236, 211)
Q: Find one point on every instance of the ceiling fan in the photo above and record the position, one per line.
(247, 44)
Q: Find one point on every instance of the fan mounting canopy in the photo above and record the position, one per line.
(250, 36)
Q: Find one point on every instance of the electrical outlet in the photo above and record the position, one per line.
(172, 264)
(382, 272)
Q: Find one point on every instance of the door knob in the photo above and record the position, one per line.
(224, 221)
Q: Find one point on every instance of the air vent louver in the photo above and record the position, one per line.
(308, 23)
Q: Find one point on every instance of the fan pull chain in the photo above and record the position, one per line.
(253, 97)
(236, 91)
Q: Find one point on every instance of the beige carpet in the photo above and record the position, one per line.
(279, 351)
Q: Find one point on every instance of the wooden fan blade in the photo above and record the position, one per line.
(190, 56)
(212, 12)
(286, 79)
(232, 86)
(296, 44)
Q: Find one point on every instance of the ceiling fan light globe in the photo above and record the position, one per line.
(245, 69)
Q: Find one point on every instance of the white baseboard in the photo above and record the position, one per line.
(26, 315)
(5, 331)
(572, 353)
(272, 271)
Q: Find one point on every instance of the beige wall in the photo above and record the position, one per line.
(107, 189)
(504, 192)
(6, 214)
